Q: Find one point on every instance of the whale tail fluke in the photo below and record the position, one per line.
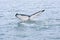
(24, 17)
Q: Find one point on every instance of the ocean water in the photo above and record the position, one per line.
(45, 27)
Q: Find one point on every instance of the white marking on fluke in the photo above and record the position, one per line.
(24, 17)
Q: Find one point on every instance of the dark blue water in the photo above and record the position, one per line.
(45, 27)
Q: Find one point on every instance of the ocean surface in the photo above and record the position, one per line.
(44, 27)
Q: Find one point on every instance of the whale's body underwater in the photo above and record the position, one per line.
(24, 17)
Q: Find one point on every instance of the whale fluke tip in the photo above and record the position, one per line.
(43, 10)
